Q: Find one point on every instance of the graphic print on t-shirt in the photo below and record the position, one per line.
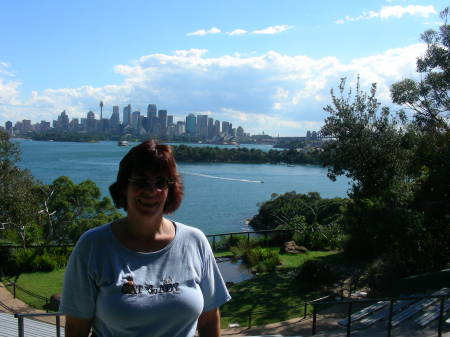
(166, 286)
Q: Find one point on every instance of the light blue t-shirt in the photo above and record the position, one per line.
(153, 294)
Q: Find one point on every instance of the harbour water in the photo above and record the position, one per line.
(218, 197)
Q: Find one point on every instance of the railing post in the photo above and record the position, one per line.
(391, 312)
(314, 320)
(58, 325)
(306, 308)
(248, 239)
(214, 243)
(46, 304)
(249, 318)
(441, 316)
(349, 315)
(14, 289)
(21, 329)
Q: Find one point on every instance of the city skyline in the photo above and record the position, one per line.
(270, 71)
(154, 123)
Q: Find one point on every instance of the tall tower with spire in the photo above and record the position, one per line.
(101, 115)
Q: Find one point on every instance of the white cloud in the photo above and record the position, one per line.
(5, 69)
(202, 32)
(273, 92)
(237, 32)
(434, 23)
(261, 121)
(387, 12)
(272, 30)
(9, 92)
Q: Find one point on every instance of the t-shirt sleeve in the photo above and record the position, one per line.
(79, 289)
(215, 292)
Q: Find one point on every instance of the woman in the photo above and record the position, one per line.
(143, 275)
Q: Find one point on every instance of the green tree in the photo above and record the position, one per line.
(18, 202)
(400, 206)
(367, 144)
(429, 97)
(70, 209)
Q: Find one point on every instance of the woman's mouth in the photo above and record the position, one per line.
(147, 203)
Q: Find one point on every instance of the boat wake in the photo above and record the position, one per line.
(222, 178)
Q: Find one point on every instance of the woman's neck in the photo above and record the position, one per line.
(145, 237)
(148, 227)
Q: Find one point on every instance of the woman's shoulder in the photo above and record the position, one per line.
(95, 235)
(189, 232)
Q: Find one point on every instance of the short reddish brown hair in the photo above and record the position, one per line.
(149, 156)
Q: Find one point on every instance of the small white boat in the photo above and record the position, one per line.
(122, 143)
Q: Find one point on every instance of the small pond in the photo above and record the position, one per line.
(233, 271)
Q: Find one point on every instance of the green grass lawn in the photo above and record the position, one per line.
(295, 261)
(223, 253)
(274, 296)
(44, 284)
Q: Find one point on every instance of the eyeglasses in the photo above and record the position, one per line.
(160, 183)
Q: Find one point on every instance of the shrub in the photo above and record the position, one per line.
(261, 259)
(382, 274)
(35, 260)
(21, 260)
(60, 255)
(316, 236)
(44, 263)
(316, 274)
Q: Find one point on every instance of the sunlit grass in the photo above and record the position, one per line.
(43, 284)
(274, 296)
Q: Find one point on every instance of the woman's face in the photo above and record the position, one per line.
(146, 194)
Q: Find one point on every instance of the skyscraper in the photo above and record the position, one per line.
(202, 126)
(240, 132)
(63, 121)
(115, 118)
(152, 121)
(210, 127)
(226, 128)
(126, 115)
(180, 128)
(216, 128)
(162, 119)
(135, 119)
(9, 126)
(191, 124)
(151, 110)
(91, 123)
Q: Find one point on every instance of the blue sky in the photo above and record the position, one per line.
(265, 65)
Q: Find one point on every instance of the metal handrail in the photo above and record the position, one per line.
(263, 231)
(251, 232)
(391, 301)
(21, 316)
